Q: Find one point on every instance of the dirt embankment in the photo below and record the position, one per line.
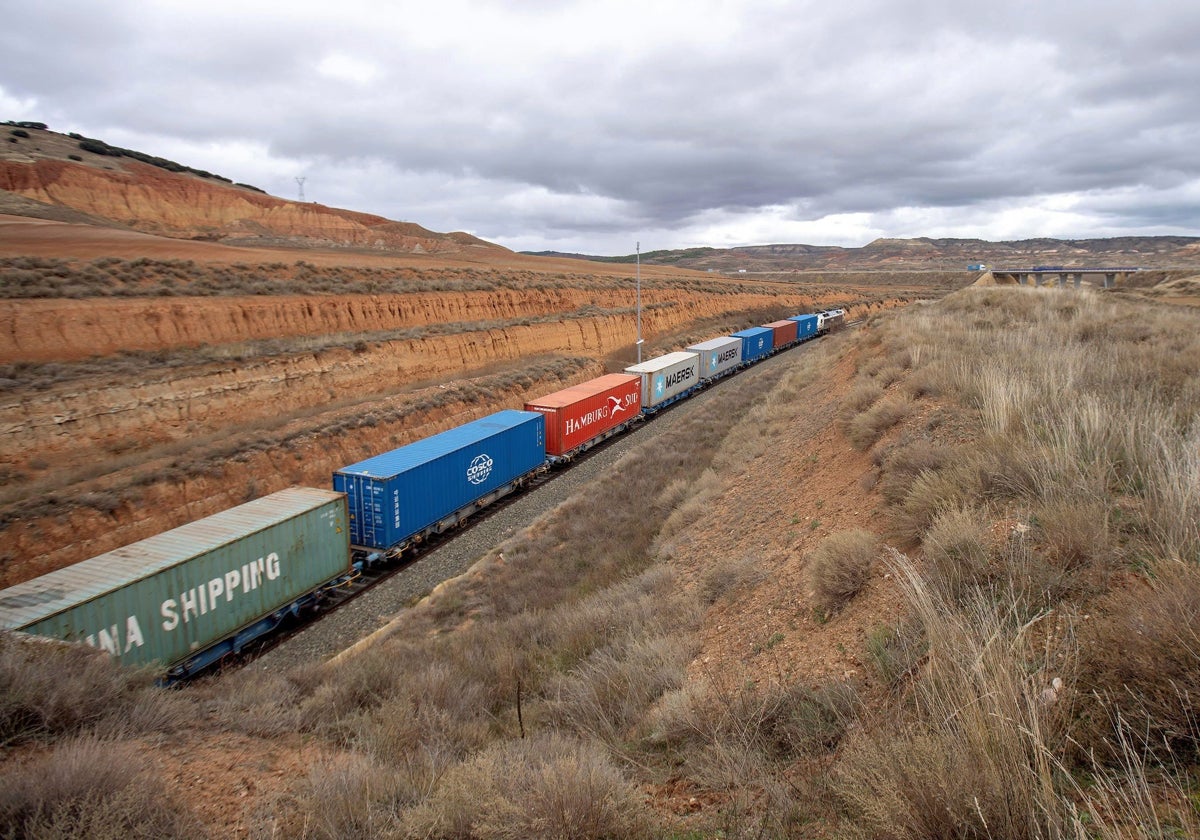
(42, 330)
(152, 407)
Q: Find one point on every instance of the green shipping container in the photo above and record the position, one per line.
(170, 596)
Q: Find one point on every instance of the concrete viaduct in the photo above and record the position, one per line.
(1040, 273)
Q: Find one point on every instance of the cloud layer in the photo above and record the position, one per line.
(587, 126)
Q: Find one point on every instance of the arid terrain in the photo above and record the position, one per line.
(882, 586)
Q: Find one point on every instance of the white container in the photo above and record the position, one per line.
(718, 356)
(666, 378)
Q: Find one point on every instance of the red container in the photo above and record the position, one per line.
(785, 332)
(585, 411)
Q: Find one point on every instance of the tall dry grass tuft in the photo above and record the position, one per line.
(976, 756)
(1140, 674)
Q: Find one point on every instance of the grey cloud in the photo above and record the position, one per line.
(858, 107)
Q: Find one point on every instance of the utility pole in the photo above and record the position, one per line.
(639, 300)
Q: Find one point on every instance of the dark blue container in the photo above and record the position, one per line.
(806, 326)
(756, 343)
(408, 491)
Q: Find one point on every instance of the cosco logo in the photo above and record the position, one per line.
(480, 469)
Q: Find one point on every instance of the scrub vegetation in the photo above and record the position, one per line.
(55, 277)
(1039, 465)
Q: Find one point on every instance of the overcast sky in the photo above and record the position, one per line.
(590, 126)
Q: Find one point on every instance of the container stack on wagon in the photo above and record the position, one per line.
(783, 333)
(806, 326)
(191, 595)
(403, 496)
(756, 343)
(667, 379)
(579, 417)
(718, 357)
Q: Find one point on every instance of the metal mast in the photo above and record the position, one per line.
(639, 301)
(300, 181)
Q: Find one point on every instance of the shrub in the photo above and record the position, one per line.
(543, 787)
(92, 789)
(839, 568)
(730, 574)
(609, 692)
(36, 700)
(905, 462)
(1140, 667)
(866, 428)
(349, 796)
(957, 553)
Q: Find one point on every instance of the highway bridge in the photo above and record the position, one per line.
(1064, 273)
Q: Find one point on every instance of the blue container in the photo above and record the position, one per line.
(806, 326)
(403, 493)
(756, 343)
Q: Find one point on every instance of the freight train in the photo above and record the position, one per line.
(185, 599)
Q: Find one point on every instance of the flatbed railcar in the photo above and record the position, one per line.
(189, 597)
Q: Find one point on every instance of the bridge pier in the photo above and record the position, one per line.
(1037, 279)
(1022, 278)
(1062, 281)
(1110, 279)
(1078, 280)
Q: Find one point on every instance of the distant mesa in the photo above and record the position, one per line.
(924, 254)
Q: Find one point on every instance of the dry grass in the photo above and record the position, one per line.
(37, 701)
(839, 568)
(1076, 478)
(89, 788)
(545, 787)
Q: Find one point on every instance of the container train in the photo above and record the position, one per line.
(185, 599)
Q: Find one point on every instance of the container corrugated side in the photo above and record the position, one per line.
(756, 342)
(665, 377)
(168, 596)
(397, 494)
(581, 412)
(784, 332)
(806, 326)
(718, 355)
